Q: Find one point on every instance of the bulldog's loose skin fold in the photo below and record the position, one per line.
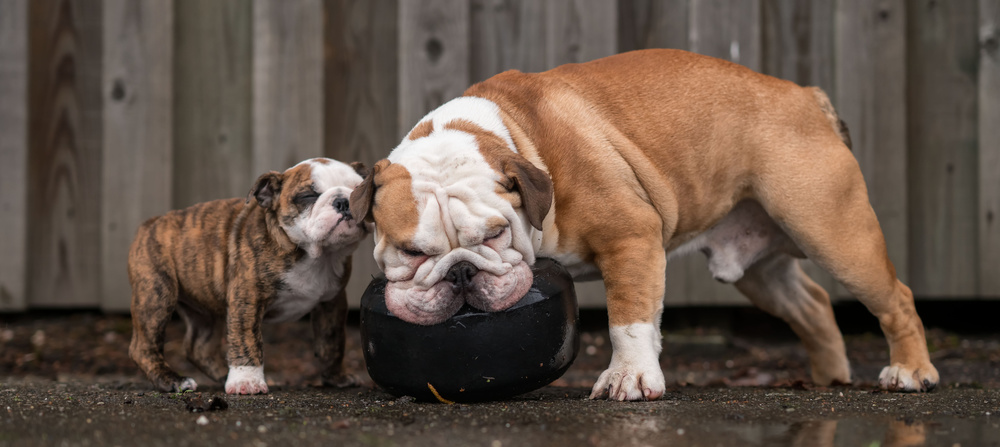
(645, 155)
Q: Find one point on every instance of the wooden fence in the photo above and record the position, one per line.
(116, 110)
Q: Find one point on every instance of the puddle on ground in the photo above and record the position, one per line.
(865, 432)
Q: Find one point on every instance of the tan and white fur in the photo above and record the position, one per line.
(612, 166)
(281, 253)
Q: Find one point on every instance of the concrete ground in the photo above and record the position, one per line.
(65, 379)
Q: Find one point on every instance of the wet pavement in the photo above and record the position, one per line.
(67, 380)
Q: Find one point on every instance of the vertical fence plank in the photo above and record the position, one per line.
(871, 98)
(65, 153)
(505, 35)
(798, 41)
(433, 56)
(13, 152)
(989, 148)
(652, 24)
(212, 102)
(942, 166)
(361, 83)
(137, 157)
(727, 29)
(287, 83)
(580, 30)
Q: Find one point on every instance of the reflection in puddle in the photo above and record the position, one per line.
(637, 430)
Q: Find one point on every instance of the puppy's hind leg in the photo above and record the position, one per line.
(202, 346)
(154, 298)
(777, 285)
(329, 321)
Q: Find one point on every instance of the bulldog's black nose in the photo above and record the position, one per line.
(460, 275)
(343, 206)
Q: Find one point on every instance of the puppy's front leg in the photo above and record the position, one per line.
(329, 319)
(246, 350)
(633, 273)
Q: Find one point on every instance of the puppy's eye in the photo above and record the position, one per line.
(495, 235)
(305, 198)
(412, 253)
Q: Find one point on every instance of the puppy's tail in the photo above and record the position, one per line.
(838, 124)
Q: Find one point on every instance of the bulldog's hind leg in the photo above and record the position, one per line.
(201, 344)
(824, 208)
(777, 285)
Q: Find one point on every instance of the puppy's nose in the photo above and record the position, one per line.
(343, 206)
(460, 275)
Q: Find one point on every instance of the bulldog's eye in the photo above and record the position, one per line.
(495, 235)
(305, 198)
(412, 253)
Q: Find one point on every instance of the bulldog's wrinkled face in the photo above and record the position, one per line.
(454, 208)
(310, 202)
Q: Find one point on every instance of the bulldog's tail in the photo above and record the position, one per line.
(838, 124)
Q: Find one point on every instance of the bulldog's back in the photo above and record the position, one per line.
(663, 120)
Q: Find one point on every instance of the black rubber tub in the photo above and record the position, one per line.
(475, 355)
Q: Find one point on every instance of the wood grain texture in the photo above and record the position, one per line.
(580, 30)
(433, 56)
(361, 85)
(507, 35)
(138, 132)
(989, 148)
(652, 24)
(287, 83)
(727, 29)
(14, 153)
(942, 166)
(798, 41)
(871, 98)
(65, 159)
(212, 105)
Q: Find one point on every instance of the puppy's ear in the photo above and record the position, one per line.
(363, 196)
(266, 189)
(360, 168)
(533, 184)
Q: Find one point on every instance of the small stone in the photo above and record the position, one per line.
(261, 429)
(202, 420)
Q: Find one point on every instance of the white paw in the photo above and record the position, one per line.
(901, 378)
(634, 373)
(246, 380)
(187, 384)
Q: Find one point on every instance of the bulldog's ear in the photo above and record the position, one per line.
(535, 188)
(266, 189)
(360, 168)
(363, 196)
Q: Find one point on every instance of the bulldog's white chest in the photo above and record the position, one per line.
(309, 282)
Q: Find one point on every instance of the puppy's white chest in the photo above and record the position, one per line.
(309, 282)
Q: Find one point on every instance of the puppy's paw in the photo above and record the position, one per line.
(898, 377)
(246, 380)
(340, 381)
(635, 372)
(185, 384)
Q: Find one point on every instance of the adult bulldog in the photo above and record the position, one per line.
(614, 165)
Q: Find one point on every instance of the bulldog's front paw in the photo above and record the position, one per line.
(246, 380)
(635, 372)
(629, 383)
(898, 377)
